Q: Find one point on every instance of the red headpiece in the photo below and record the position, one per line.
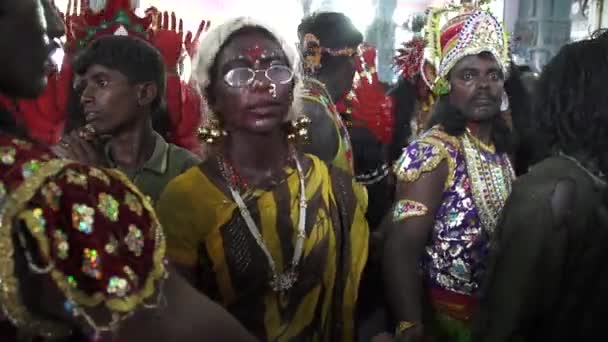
(409, 58)
(116, 17)
(408, 63)
(367, 103)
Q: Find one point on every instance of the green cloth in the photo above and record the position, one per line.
(445, 328)
(167, 162)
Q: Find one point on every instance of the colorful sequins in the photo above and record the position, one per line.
(131, 275)
(7, 155)
(91, 263)
(22, 144)
(407, 208)
(118, 286)
(72, 281)
(38, 223)
(135, 240)
(62, 247)
(108, 206)
(77, 178)
(111, 246)
(52, 193)
(29, 168)
(97, 173)
(457, 236)
(134, 203)
(83, 218)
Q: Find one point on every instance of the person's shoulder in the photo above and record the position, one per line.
(425, 154)
(185, 183)
(436, 136)
(67, 188)
(314, 91)
(182, 157)
(315, 162)
(559, 181)
(14, 151)
(342, 184)
(548, 173)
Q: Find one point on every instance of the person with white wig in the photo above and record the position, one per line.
(274, 235)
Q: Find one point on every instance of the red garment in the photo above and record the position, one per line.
(44, 116)
(452, 304)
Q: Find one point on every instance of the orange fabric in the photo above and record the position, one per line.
(452, 304)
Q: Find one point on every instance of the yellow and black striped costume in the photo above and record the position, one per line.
(205, 231)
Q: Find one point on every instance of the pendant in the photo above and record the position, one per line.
(283, 282)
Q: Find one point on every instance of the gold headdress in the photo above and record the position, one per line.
(455, 32)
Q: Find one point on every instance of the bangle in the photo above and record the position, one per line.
(403, 326)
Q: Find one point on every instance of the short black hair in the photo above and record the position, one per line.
(571, 103)
(135, 58)
(333, 29)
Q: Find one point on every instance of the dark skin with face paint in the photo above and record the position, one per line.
(187, 315)
(253, 118)
(477, 84)
(476, 90)
(256, 144)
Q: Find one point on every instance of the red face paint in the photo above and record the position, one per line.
(254, 53)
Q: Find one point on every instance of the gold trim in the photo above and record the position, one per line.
(407, 208)
(402, 326)
(438, 140)
(488, 208)
(10, 296)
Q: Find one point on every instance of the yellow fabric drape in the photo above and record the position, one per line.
(205, 231)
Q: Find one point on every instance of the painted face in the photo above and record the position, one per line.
(109, 102)
(477, 85)
(340, 71)
(27, 28)
(256, 104)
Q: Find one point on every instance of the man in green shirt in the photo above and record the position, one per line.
(120, 84)
(167, 162)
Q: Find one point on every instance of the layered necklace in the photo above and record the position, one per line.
(491, 179)
(280, 282)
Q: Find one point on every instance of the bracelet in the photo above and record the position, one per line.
(403, 326)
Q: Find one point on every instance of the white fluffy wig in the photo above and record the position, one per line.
(210, 46)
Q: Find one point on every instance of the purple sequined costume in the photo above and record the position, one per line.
(453, 259)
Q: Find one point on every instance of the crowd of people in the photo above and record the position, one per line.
(467, 202)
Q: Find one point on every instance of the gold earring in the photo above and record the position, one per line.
(211, 132)
(298, 130)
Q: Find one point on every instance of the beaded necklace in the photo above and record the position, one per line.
(284, 281)
(491, 179)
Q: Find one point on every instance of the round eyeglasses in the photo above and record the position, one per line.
(244, 77)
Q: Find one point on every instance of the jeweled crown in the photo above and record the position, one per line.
(453, 33)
